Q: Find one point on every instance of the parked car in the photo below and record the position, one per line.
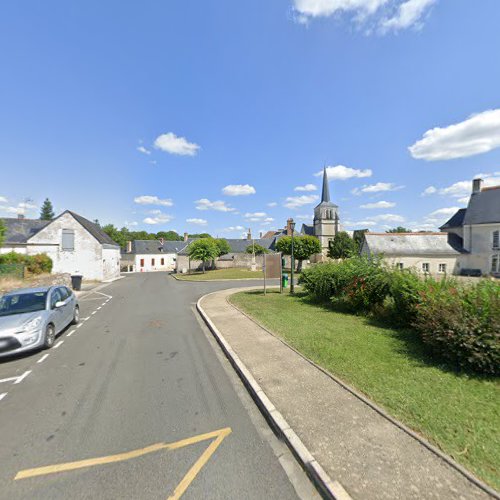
(31, 318)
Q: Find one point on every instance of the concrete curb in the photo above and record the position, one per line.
(328, 489)
(215, 281)
(446, 458)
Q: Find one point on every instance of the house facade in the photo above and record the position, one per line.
(326, 223)
(477, 227)
(75, 245)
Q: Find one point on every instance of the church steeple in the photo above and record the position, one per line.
(325, 195)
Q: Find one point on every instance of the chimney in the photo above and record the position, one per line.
(260, 235)
(289, 227)
(249, 234)
(129, 247)
(186, 235)
(477, 185)
(20, 216)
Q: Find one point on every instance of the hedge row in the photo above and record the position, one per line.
(35, 264)
(459, 322)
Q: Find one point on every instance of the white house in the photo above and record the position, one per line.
(477, 227)
(428, 253)
(152, 255)
(75, 245)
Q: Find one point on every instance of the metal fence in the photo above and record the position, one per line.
(12, 271)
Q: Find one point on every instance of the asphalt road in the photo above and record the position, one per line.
(140, 371)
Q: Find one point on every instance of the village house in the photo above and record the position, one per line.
(75, 244)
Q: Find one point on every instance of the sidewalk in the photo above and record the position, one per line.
(367, 454)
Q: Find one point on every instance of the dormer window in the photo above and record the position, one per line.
(496, 239)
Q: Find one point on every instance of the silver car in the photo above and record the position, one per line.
(31, 318)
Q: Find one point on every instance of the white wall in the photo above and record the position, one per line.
(415, 262)
(110, 262)
(479, 241)
(12, 248)
(148, 266)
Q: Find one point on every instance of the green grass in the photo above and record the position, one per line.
(458, 412)
(221, 274)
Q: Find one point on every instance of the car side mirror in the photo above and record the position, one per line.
(59, 303)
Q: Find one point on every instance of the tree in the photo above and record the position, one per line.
(399, 229)
(303, 247)
(3, 230)
(342, 246)
(199, 235)
(223, 246)
(168, 236)
(204, 249)
(118, 236)
(259, 249)
(47, 210)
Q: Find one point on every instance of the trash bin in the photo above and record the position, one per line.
(284, 279)
(76, 281)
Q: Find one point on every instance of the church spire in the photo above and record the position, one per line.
(325, 196)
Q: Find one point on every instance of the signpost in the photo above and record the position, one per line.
(272, 268)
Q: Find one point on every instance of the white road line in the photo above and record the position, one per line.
(79, 325)
(58, 344)
(43, 358)
(93, 312)
(100, 307)
(22, 377)
(104, 303)
(71, 333)
(3, 395)
(105, 295)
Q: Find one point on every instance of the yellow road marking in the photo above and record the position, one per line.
(219, 436)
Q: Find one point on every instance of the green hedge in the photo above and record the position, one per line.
(35, 264)
(459, 322)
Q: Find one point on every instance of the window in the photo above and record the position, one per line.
(64, 292)
(54, 298)
(426, 267)
(496, 239)
(495, 263)
(152, 262)
(142, 262)
(162, 262)
(68, 240)
(400, 265)
(442, 268)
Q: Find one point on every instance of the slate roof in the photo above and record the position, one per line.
(94, 229)
(20, 230)
(307, 229)
(154, 246)
(411, 244)
(456, 220)
(484, 207)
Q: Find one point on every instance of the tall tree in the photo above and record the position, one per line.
(258, 249)
(116, 235)
(199, 235)
(169, 236)
(3, 230)
(303, 247)
(342, 246)
(204, 249)
(399, 229)
(47, 210)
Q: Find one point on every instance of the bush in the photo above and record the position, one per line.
(462, 324)
(35, 264)
(405, 287)
(322, 280)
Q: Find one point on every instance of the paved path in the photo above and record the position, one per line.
(140, 371)
(370, 456)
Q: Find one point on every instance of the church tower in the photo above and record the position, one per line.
(326, 218)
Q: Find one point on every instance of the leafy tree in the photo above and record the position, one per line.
(168, 236)
(223, 246)
(399, 229)
(3, 230)
(115, 234)
(342, 246)
(47, 210)
(259, 249)
(303, 247)
(204, 249)
(199, 235)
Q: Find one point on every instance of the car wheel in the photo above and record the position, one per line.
(76, 316)
(50, 337)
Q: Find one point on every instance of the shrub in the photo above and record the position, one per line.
(35, 264)
(321, 281)
(405, 287)
(462, 324)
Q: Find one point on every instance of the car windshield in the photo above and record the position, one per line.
(22, 303)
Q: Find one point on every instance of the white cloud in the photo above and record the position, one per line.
(307, 187)
(256, 214)
(238, 190)
(159, 219)
(480, 133)
(360, 224)
(444, 212)
(376, 188)
(464, 200)
(170, 143)
(307, 217)
(408, 14)
(154, 212)
(153, 200)
(342, 173)
(268, 219)
(387, 218)
(326, 8)
(232, 229)
(462, 189)
(429, 190)
(143, 150)
(379, 204)
(199, 222)
(272, 204)
(299, 201)
(131, 224)
(3, 199)
(218, 205)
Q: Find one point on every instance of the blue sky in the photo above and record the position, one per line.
(141, 113)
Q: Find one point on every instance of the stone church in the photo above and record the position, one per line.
(326, 218)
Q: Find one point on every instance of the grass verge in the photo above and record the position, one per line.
(221, 274)
(460, 413)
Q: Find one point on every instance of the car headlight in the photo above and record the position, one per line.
(30, 325)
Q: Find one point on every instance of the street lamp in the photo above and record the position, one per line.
(292, 259)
